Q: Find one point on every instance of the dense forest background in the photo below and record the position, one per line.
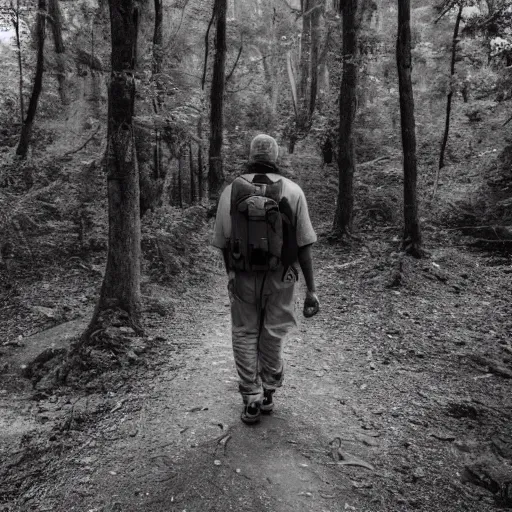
(120, 123)
(282, 76)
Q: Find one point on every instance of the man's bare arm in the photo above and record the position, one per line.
(306, 265)
(311, 303)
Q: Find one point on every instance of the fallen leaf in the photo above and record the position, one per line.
(418, 473)
(443, 436)
(47, 312)
(117, 406)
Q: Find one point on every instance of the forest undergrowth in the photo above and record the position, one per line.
(415, 352)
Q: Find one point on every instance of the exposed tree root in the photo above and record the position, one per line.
(345, 237)
(112, 342)
(413, 249)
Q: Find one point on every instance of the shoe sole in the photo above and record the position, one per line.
(250, 420)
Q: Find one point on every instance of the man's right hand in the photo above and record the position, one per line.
(311, 304)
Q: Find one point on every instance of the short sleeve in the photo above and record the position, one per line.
(222, 228)
(305, 233)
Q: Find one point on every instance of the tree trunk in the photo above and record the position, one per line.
(180, 181)
(305, 50)
(411, 243)
(157, 70)
(16, 24)
(121, 283)
(302, 121)
(450, 92)
(215, 170)
(275, 68)
(192, 174)
(293, 83)
(26, 128)
(55, 18)
(315, 55)
(200, 170)
(348, 106)
(158, 38)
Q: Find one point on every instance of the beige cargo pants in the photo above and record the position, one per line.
(262, 314)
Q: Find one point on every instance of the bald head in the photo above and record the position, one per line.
(263, 149)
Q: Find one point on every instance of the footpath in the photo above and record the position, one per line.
(392, 401)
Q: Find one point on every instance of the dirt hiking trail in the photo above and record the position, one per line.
(397, 396)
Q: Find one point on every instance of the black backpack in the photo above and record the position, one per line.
(256, 240)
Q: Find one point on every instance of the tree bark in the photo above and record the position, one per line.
(55, 18)
(26, 128)
(200, 170)
(304, 88)
(274, 67)
(293, 83)
(157, 70)
(450, 92)
(16, 24)
(158, 38)
(305, 59)
(343, 219)
(411, 242)
(314, 58)
(121, 283)
(192, 173)
(215, 170)
(180, 181)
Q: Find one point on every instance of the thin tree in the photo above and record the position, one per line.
(343, 218)
(411, 243)
(449, 97)
(157, 70)
(305, 71)
(192, 170)
(180, 179)
(200, 166)
(304, 87)
(121, 284)
(55, 19)
(215, 168)
(15, 19)
(28, 121)
(314, 58)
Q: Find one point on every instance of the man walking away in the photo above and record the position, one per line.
(263, 229)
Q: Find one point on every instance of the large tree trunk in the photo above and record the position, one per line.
(26, 129)
(121, 284)
(55, 18)
(215, 170)
(455, 40)
(411, 243)
(348, 107)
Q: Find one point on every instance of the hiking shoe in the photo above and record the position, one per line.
(268, 403)
(251, 413)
